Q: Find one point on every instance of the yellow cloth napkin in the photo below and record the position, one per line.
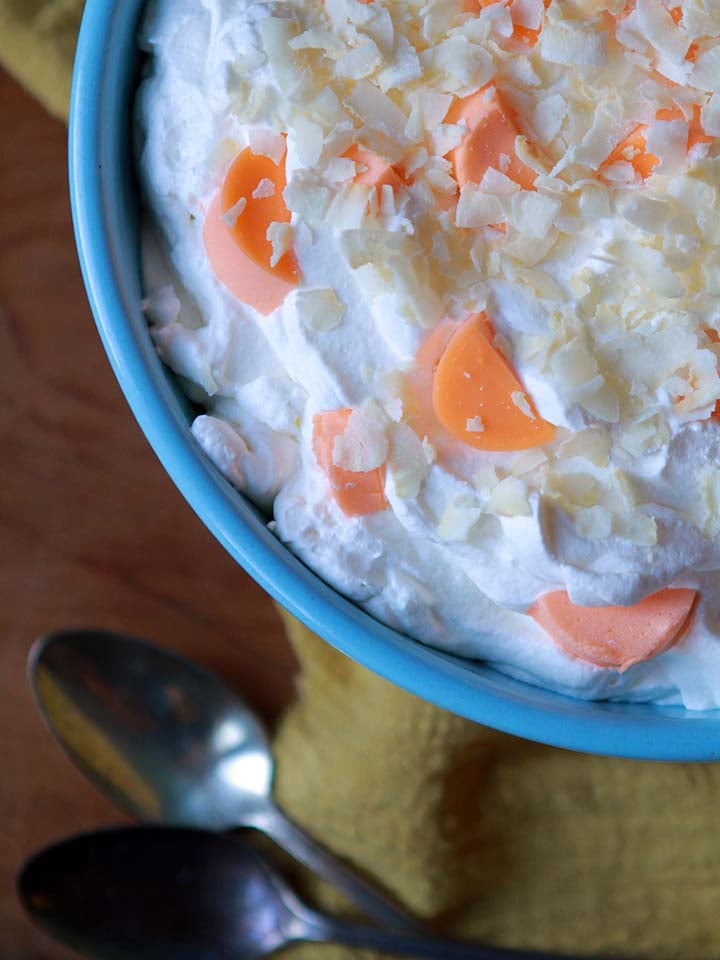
(488, 835)
(37, 43)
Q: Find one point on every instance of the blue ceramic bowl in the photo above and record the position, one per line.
(105, 210)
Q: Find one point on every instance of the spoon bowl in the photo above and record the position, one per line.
(168, 742)
(165, 739)
(156, 893)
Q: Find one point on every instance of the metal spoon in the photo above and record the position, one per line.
(168, 742)
(164, 893)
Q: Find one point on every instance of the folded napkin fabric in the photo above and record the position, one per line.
(494, 837)
(37, 43)
(482, 834)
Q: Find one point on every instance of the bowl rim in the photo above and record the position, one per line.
(481, 694)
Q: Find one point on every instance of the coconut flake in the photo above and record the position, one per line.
(639, 528)
(474, 425)
(403, 68)
(477, 209)
(276, 34)
(533, 214)
(706, 73)
(593, 523)
(498, 184)
(446, 136)
(520, 400)
(377, 110)
(528, 461)
(486, 479)
(527, 13)
(457, 521)
(652, 271)
(707, 506)
(509, 498)
(309, 138)
(661, 30)
(573, 46)
(603, 403)
(364, 444)
(360, 61)
(710, 116)
(648, 213)
(230, 216)
(266, 143)
(316, 38)
(319, 309)
(340, 169)
(305, 197)
(668, 140)
(549, 116)
(407, 461)
(265, 188)
(592, 444)
(457, 66)
(280, 235)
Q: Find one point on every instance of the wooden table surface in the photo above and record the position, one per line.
(92, 530)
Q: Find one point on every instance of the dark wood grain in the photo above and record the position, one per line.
(92, 531)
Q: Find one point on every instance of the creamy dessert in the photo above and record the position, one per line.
(444, 276)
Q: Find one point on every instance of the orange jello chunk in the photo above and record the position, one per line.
(527, 35)
(424, 420)
(376, 172)
(235, 270)
(235, 232)
(356, 493)
(616, 636)
(633, 149)
(478, 398)
(489, 142)
(260, 182)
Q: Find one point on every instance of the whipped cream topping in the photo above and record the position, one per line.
(602, 288)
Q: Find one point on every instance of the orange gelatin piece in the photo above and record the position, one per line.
(490, 137)
(377, 172)
(475, 386)
(616, 636)
(235, 270)
(696, 133)
(356, 493)
(525, 35)
(249, 172)
(423, 418)
(633, 149)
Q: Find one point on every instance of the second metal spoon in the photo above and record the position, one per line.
(170, 743)
(162, 893)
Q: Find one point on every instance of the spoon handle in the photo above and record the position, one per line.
(299, 844)
(437, 948)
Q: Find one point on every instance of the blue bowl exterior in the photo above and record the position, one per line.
(105, 213)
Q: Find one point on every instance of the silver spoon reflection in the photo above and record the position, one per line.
(163, 893)
(168, 742)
